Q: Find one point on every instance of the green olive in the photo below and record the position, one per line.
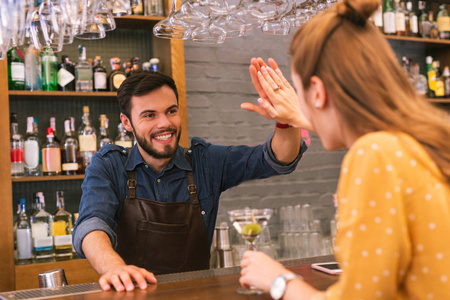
(251, 229)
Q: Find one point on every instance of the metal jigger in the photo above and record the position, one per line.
(53, 278)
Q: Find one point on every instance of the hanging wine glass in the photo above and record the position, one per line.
(171, 27)
(52, 24)
(278, 25)
(208, 33)
(5, 32)
(105, 16)
(232, 26)
(119, 8)
(265, 9)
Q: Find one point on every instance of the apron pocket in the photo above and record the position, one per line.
(161, 248)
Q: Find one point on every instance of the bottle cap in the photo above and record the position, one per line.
(446, 71)
(154, 60)
(13, 118)
(49, 132)
(22, 201)
(429, 59)
(85, 109)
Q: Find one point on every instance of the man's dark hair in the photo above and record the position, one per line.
(141, 83)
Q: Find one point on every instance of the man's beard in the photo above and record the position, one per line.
(168, 151)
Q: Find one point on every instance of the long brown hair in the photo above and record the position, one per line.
(370, 90)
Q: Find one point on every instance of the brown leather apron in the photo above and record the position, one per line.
(162, 237)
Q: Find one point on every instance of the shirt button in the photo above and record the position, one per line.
(203, 212)
(124, 151)
(189, 151)
(146, 166)
(159, 180)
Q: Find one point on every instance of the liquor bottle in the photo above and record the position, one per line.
(31, 149)
(127, 66)
(388, 18)
(52, 122)
(17, 163)
(103, 138)
(16, 68)
(134, 64)
(420, 81)
(123, 139)
(69, 150)
(41, 233)
(66, 75)
(434, 31)
(439, 92)
(23, 236)
(412, 28)
(154, 8)
(62, 229)
(446, 79)
(443, 22)
(87, 139)
(99, 75)
(83, 72)
(49, 69)
(377, 17)
(154, 64)
(146, 66)
(116, 77)
(34, 205)
(51, 155)
(424, 24)
(33, 75)
(137, 7)
(431, 77)
(399, 8)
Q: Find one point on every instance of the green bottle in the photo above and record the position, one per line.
(49, 66)
(16, 69)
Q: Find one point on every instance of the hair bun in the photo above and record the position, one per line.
(357, 11)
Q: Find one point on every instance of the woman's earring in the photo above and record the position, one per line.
(316, 104)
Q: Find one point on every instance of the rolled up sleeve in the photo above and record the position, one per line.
(269, 156)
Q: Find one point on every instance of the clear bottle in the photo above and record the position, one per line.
(16, 68)
(446, 79)
(34, 205)
(49, 69)
(103, 138)
(388, 18)
(134, 64)
(51, 155)
(431, 77)
(412, 28)
(83, 72)
(87, 139)
(17, 163)
(434, 31)
(424, 23)
(123, 139)
(100, 78)
(52, 122)
(443, 22)
(154, 8)
(23, 236)
(41, 232)
(116, 77)
(154, 64)
(31, 149)
(66, 75)
(33, 75)
(62, 229)
(137, 7)
(400, 28)
(69, 150)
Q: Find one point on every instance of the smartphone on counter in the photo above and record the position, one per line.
(328, 267)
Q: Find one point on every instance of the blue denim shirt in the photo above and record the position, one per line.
(216, 168)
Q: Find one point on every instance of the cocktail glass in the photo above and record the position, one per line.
(249, 223)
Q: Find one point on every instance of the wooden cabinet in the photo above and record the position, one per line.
(171, 54)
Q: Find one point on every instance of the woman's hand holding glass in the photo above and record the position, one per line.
(278, 99)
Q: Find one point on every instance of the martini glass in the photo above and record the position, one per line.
(250, 223)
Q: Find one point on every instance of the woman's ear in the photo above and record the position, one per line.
(318, 92)
(126, 122)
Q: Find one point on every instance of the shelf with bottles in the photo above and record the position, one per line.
(419, 42)
(47, 178)
(62, 93)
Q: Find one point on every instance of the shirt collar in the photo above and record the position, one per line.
(135, 158)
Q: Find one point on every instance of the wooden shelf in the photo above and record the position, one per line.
(47, 178)
(417, 42)
(137, 22)
(438, 100)
(60, 93)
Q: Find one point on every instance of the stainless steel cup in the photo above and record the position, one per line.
(223, 236)
(225, 258)
(53, 278)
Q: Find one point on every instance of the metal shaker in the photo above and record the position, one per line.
(222, 253)
(53, 278)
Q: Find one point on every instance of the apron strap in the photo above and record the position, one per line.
(192, 188)
(131, 183)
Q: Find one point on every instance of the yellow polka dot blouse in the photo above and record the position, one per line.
(393, 229)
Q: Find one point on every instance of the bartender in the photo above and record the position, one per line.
(151, 209)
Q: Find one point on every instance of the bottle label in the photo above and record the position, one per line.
(125, 144)
(59, 227)
(43, 243)
(439, 92)
(432, 80)
(84, 74)
(51, 160)
(389, 22)
(65, 77)
(87, 143)
(70, 166)
(400, 22)
(61, 240)
(118, 79)
(100, 81)
(443, 23)
(31, 154)
(378, 17)
(413, 24)
(17, 155)
(17, 71)
(24, 245)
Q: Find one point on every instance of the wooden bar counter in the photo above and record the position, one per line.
(214, 284)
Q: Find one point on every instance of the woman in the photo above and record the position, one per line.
(394, 192)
